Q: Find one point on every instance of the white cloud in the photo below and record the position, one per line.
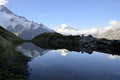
(113, 57)
(66, 30)
(3, 2)
(62, 52)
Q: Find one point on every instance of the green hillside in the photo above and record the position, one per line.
(8, 36)
(56, 41)
(13, 65)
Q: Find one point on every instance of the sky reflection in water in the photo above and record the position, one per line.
(62, 64)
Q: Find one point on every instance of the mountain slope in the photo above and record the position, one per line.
(111, 34)
(20, 25)
(7, 37)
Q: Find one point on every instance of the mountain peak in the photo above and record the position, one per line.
(64, 26)
(20, 25)
(5, 9)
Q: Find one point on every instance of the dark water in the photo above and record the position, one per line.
(62, 64)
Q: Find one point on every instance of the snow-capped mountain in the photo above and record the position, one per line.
(20, 25)
(66, 30)
(110, 34)
(111, 31)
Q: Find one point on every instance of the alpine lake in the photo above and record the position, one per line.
(64, 64)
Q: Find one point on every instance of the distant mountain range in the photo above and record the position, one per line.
(110, 34)
(20, 25)
(112, 31)
(27, 30)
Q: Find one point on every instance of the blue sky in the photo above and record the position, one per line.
(79, 14)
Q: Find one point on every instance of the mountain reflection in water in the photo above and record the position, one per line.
(66, 64)
(31, 50)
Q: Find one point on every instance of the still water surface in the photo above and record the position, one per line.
(62, 64)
